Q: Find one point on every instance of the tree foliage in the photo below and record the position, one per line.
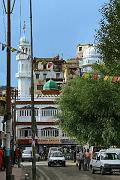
(90, 111)
(108, 36)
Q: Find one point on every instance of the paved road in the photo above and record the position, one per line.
(70, 172)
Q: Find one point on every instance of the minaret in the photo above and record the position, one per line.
(24, 67)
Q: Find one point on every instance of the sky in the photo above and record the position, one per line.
(58, 27)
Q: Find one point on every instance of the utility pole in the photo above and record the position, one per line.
(8, 97)
(14, 97)
(33, 127)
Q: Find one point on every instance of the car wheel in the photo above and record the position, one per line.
(92, 170)
(49, 164)
(102, 170)
(63, 164)
(111, 172)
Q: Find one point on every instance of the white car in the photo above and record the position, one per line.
(56, 158)
(27, 155)
(105, 162)
(52, 149)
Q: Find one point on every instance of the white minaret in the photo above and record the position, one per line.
(24, 68)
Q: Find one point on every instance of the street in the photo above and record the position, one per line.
(70, 172)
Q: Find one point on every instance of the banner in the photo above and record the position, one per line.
(96, 76)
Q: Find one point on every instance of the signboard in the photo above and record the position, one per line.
(67, 141)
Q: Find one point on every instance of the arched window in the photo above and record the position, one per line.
(49, 111)
(26, 132)
(49, 132)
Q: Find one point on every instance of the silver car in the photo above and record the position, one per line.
(56, 158)
(27, 155)
(105, 162)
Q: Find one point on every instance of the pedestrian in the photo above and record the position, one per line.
(87, 159)
(1, 158)
(18, 155)
(74, 155)
(81, 160)
(4, 158)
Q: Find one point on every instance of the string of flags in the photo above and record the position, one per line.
(95, 76)
(3, 46)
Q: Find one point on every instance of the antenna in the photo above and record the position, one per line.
(24, 27)
(20, 18)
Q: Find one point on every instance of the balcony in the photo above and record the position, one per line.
(22, 75)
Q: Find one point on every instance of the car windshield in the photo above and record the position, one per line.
(27, 152)
(54, 149)
(109, 156)
(57, 154)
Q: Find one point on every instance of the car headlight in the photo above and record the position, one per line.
(51, 159)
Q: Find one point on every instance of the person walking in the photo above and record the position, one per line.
(87, 159)
(81, 160)
(18, 155)
(1, 158)
(4, 158)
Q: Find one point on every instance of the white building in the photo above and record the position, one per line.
(88, 55)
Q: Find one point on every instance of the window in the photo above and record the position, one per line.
(80, 48)
(51, 132)
(50, 112)
(26, 132)
(39, 87)
(44, 66)
(22, 66)
(64, 134)
(36, 112)
(44, 76)
(37, 76)
(57, 75)
(22, 112)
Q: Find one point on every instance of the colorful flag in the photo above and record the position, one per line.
(94, 76)
(106, 78)
(114, 79)
(85, 75)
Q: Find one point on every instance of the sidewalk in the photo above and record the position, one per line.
(17, 172)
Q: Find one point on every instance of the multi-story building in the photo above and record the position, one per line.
(88, 55)
(48, 79)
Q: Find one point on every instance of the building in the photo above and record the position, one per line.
(48, 79)
(88, 55)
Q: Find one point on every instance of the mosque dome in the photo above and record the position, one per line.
(91, 52)
(50, 85)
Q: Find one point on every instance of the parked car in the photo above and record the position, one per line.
(27, 155)
(104, 162)
(114, 150)
(56, 158)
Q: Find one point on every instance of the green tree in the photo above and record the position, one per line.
(90, 111)
(108, 36)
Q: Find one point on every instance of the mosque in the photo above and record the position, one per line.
(50, 75)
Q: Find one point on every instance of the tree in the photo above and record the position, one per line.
(108, 36)
(90, 111)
